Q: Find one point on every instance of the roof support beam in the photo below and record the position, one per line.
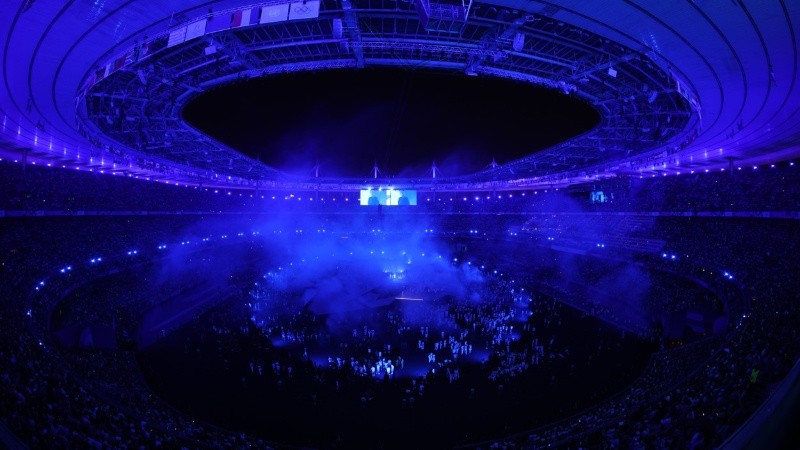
(491, 45)
(597, 68)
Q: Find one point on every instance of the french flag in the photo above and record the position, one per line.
(244, 17)
(120, 62)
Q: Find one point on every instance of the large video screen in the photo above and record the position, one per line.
(388, 197)
(598, 197)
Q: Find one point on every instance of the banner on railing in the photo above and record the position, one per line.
(304, 10)
(245, 17)
(195, 29)
(275, 13)
(298, 10)
(176, 37)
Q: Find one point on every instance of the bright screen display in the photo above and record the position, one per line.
(597, 197)
(388, 197)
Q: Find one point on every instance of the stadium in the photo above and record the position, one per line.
(394, 224)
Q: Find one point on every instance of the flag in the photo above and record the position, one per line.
(240, 18)
(176, 37)
(120, 62)
(304, 10)
(129, 59)
(89, 83)
(196, 29)
(144, 50)
(254, 16)
(274, 13)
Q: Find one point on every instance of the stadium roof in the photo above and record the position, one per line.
(679, 86)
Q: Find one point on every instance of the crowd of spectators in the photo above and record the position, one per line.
(701, 405)
(46, 406)
(691, 396)
(511, 330)
(763, 188)
(768, 188)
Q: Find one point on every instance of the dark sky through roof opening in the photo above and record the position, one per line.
(403, 120)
